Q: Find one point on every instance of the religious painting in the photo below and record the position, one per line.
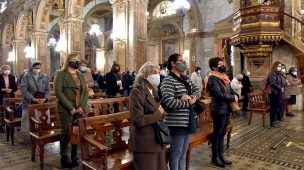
(169, 46)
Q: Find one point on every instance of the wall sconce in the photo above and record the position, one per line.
(100, 59)
(29, 52)
(11, 56)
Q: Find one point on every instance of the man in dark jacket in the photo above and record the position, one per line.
(247, 87)
(127, 82)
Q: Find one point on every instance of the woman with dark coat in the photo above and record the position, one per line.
(8, 87)
(145, 112)
(8, 84)
(276, 83)
(72, 94)
(293, 89)
(247, 87)
(113, 82)
(221, 96)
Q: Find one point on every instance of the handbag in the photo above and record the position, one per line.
(74, 137)
(199, 107)
(162, 133)
(234, 107)
(193, 121)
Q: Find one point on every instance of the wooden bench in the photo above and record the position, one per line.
(106, 106)
(106, 154)
(42, 131)
(11, 121)
(258, 103)
(204, 132)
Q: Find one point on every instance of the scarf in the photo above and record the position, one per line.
(223, 77)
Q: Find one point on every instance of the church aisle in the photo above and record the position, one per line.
(250, 148)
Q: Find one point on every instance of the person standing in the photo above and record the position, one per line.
(113, 82)
(236, 84)
(8, 87)
(284, 95)
(196, 78)
(178, 96)
(276, 82)
(221, 94)
(293, 89)
(72, 93)
(35, 88)
(127, 83)
(145, 112)
(247, 88)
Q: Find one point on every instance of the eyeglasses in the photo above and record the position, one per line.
(182, 61)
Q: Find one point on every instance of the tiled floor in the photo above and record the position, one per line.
(242, 151)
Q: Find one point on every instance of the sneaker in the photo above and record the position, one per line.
(290, 114)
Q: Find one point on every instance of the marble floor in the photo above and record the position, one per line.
(250, 148)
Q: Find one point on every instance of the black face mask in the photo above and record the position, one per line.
(74, 64)
(222, 69)
(116, 71)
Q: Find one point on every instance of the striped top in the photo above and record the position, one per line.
(172, 90)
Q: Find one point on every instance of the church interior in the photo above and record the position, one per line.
(248, 34)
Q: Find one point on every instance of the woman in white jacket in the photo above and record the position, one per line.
(236, 84)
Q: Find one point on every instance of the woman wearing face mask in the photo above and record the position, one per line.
(284, 95)
(113, 82)
(293, 89)
(8, 87)
(35, 88)
(72, 94)
(221, 94)
(178, 96)
(87, 73)
(276, 82)
(247, 88)
(145, 112)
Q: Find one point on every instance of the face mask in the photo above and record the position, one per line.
(6, 72)
(222, 69)
(36, 71)
(116, 71)
(83, 68)
(279, 68)
(154, 79)
(248, 73)
(283, 70)
(74, 64)
(199, 72)
(295, 73)
(181, 67)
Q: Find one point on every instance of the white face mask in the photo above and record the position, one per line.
(154, 79)
(295, 73)
(199, 72)
(283, 70)
(248, 73)
(83, 68)
(36, 71)
(279, 68)
(6, 72)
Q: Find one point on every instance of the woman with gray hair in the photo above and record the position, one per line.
(145, 112)
(236, 84)
(293, 89)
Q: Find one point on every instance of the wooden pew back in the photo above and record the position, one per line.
(104, 154)
(107, 106)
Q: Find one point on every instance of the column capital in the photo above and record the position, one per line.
(118, 3)
(18, 42)
(142, 1)
(38, 35)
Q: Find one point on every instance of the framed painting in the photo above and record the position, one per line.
(168, 47)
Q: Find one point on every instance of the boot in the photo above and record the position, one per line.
(217, 162)
(65, 162)
(225, 161)
(74, 157)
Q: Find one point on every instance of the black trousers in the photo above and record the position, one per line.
(245, 101)
(220, 123)
(274, 107)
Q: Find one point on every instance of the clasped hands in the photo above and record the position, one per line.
(39, 101)
(191, 99)
(79, 110)
(7, 90)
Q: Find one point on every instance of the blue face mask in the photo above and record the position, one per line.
(83, 68)
(181, 67)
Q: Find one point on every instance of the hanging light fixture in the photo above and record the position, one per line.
(183, 5)
(95, 29)
(52, 41)
(11, 56)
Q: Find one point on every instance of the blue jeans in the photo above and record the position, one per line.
(178, 150)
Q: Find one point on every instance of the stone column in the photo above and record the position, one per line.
(39, 43)
(130, 33)
(20, 61)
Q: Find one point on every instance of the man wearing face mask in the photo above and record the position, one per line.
(222, 95)
(284, 95)
(247, 88)
(178, 97)
(196, 78)
(8, 87)
(35, 88)
(87, 73)
(293, 89)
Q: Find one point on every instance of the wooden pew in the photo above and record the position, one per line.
(204, 132)
(106, 106)
(106, 154)
(258, 103)
(11, 121)
(42, 131)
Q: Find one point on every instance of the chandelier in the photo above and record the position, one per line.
(11, 56)
(95, 29)
(181, 5)
(29, 52)
(52, 41)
